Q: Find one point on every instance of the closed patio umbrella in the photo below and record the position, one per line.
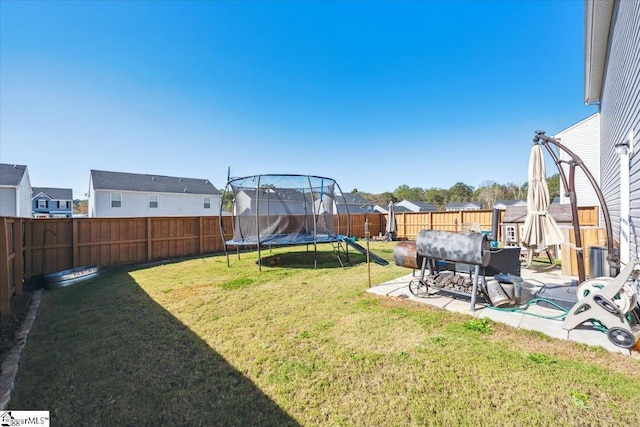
(390, 231)
(540, 229)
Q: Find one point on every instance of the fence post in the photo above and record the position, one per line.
(17, 248)
(75, 261)
(201, 235)
(149, 241)
(5, 278)
(404, 224)
(28, 249)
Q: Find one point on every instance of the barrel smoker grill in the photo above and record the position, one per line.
(432, 246)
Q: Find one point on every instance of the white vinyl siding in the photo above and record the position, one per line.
(7, 201)
(136, 204)
(620, 116)
(583, 139)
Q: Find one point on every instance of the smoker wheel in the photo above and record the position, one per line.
(419, 288)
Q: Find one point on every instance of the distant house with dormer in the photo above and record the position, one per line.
(121, 194)
(355, 203)
(52, 202)
(504, 204)
(15, 191)
(414, 206)
(463, 206)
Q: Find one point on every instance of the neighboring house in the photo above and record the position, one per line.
(415, 206)
(612, 67)
(583, 139)
(504, 204)
(514, 216)
(15, 191)
(52, 202)
(463, 206)
(355, 203)
(120, 194)
(273, 201)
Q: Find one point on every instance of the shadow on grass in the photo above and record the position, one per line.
(102, 352)
(304, 259)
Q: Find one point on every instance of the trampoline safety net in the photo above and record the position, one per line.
(284, 210)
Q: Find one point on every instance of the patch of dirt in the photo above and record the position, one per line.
(11, 323)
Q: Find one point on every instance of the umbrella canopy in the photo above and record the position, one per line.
(390, 230)
(540, 229)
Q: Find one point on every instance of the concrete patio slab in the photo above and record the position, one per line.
(533, 281)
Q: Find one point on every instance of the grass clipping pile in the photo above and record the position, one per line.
(10, 324)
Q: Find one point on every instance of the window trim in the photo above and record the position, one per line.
(44, 202)
(151, 202)
(207, 202)
(117, 199)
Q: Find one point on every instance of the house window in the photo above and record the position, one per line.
(510, 233)
(116, 200)
(207, 202)
(153, 200)
(42, 204)
(63, 204)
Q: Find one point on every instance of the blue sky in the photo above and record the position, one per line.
(373, 94)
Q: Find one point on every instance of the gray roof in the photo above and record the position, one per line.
(11, 174)
(352, 199)
(104, 180)
(462, 204)
(401, 209)
(53, 193)
(560, 212)
(424, 206)
(505, 202)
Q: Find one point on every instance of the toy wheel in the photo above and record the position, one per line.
(621, 337)
(419, 288)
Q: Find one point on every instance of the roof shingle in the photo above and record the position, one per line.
(105, 180)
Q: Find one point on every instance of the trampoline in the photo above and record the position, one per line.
(279, 210)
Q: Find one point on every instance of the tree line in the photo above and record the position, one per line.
(487, 193)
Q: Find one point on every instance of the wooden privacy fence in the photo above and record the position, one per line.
(591, 236)
(34, 247)
(409, 224)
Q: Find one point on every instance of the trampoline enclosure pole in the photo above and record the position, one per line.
(258, 222)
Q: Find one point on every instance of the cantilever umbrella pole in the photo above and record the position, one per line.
(570, 188)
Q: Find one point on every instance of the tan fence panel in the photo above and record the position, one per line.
(356, 224)
(110, 241)
(410, 223)
(588, 216)
(478, 218)
(8, 259)
(174, 237)
(50, 245)
(591, 236)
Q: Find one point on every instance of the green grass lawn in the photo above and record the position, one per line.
(199, 343)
